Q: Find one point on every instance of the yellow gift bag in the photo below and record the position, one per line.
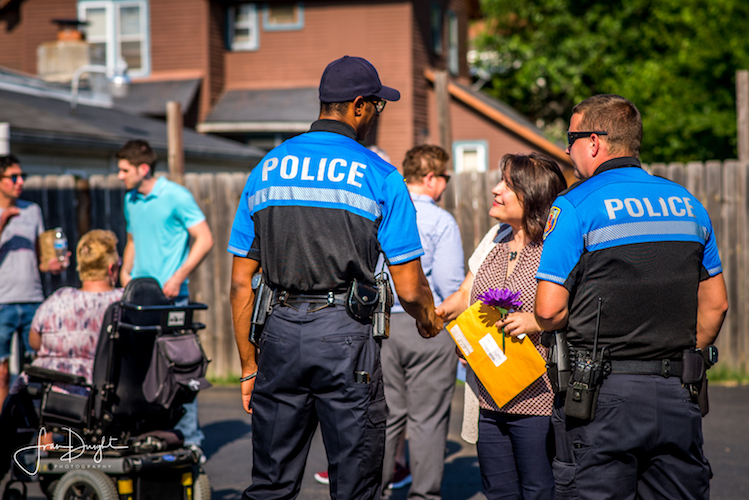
(504, 373)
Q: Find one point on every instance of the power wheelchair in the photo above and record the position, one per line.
(118, 443)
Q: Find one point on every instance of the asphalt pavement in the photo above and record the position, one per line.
(228, 446)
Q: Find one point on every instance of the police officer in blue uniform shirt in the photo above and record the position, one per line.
(644, 249)
(315, 214)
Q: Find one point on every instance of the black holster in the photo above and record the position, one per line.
(694, 378)
(381, 316)
(361, 301)
(262, 309)
(367, 303)
(558, 359)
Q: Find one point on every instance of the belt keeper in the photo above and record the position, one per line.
(331, 298)
(282, 298)
(665, 368)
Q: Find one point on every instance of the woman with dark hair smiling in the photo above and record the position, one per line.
(513, 440)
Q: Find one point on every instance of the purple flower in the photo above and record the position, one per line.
(503, 299)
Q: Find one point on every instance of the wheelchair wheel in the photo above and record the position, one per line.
(202, 487)
(85, 485)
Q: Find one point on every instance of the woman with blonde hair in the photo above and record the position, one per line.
(65, 331)
(65, 328)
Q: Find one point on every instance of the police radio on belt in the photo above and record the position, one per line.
(588, 372)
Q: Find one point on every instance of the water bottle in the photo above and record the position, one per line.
(61, 244)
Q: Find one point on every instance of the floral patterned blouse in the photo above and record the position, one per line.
(69, 322)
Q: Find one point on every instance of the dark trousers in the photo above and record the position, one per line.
(419, 379)
(645, 442)
(514, 456)
(306, 372)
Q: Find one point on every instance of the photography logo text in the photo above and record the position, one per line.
(74, 448)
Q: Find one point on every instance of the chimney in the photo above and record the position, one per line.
(58, 60)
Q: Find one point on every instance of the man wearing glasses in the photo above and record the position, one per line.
(630, 269)
(20, 284)
(315, 214)
(419, 373)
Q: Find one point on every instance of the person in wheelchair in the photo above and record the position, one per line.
(65, 332)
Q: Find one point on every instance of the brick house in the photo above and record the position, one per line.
(249, 71)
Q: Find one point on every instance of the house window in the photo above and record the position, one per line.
(283, 17)
(117, 29)
(243, 27)
(453, 61)
(470, 156)
(435, 22)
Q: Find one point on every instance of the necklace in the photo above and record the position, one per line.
(513, 255)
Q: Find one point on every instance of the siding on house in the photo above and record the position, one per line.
(216, 50)
(35, 26)
(471, 125)
(379, 32)
(179, 44)
(188, 41)
(425, 57)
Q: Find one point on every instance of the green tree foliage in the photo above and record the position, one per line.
(675, 59)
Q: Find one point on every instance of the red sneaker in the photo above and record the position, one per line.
(401, 477)
(322, 477)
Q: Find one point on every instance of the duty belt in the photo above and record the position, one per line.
(663, 367)
(284, 298)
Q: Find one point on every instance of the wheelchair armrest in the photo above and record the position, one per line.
(195, 306)
(37, 373)
(140, 328)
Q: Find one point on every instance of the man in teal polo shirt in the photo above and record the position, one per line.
(161, 217)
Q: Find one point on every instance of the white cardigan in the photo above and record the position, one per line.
(470, 428)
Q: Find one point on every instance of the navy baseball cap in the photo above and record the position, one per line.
(348, 77)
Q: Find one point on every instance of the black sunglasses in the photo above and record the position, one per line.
(14, 177)
(445, 176)
(379, 104)
(573, 136)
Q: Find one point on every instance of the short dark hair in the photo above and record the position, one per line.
(616, 116)
(537, 180)
(138, 152)
(334, 108)
(7, 161)
(421, 160)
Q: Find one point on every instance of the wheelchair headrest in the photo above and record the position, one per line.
(144, 292)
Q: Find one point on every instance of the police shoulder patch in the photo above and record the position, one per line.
(551, 222)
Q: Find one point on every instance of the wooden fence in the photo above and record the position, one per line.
(79, 205)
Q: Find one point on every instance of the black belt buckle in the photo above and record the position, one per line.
(665, 368)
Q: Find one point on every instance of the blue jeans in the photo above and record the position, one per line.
(514, 456)
(15, 318)
(188, 424)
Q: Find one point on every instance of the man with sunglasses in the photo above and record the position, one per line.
(315, 214)
(630, 269)
(20, 283)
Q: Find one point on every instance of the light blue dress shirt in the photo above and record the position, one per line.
(442, 261)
